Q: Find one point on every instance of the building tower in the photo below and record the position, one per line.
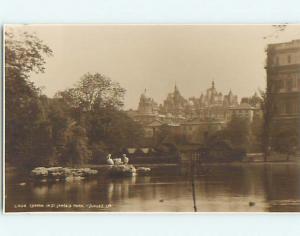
(147, 110)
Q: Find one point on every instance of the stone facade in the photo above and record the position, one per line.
(283, 79)
(243, 110)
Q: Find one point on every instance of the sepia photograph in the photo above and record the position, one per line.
(151, 118)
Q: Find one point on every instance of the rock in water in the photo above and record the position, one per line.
(56, 172)
(143, 170)
(60, 173)
(123, 170)
(87, 172)
(39, 172)
(118, 161)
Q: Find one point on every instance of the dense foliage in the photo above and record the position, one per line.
(79, 125)
(236, 134)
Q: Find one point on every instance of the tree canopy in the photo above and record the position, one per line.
(94, 91)
(78, 125)
(24, 114)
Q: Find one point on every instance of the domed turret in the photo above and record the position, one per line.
(147, 105)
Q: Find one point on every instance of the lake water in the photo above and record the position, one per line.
(272, 187)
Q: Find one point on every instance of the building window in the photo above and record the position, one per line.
(279, 84)
(277, 61)
(289, 108)
(289, 59)
(295, 107)
(282, 108)
(295, 82)
(289, 84)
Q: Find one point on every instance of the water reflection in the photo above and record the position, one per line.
(271, 187)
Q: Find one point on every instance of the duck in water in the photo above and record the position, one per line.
(109, 161)
(125, 159)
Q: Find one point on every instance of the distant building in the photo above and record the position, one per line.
(255, 105)
(283, 78)
(192, 117)
(244, 110)
(254, 101)
(175, 104)
(147, 110)
(213, 105)
(152, 128)
(148, 115)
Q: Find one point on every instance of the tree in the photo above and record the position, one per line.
(99, 153)
(284, 141)
(24, 53)
(237, 132)
(77, 151)
(230, 143)
(94, 91)
(60, 119)
(268, 107)
(162, 134)
(114, 128)
(95, 104)
(256, 134)
(24, 115)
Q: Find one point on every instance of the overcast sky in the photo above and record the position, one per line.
(156, 57)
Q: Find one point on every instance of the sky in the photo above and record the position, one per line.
(156, 57)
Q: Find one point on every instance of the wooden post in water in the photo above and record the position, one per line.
(193, 180)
